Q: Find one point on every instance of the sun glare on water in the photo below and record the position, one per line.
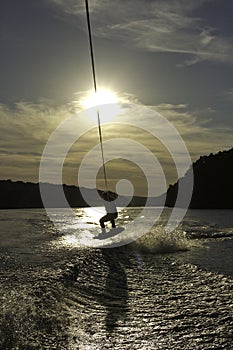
(105, 101)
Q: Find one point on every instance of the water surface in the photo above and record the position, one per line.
(162, 291)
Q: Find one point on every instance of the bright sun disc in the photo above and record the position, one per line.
(106, 103)
(102, 96)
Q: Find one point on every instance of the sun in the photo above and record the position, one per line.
(104, 101)
(99, 98)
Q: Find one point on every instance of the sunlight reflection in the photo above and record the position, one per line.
(83, 229)
(80, 231)
(93, 214)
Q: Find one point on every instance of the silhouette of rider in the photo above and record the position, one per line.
(110, 207)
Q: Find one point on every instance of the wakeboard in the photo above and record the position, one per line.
(109, 233)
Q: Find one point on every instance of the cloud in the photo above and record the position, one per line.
(77, 7)
(200, 135)
(157, 26)
(229, 95)
(26, 128)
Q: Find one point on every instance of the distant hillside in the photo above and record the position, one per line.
(213, 189)
(18, 194)
(23, 195)
(213, 182)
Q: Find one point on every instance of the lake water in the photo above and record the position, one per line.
(164, 291)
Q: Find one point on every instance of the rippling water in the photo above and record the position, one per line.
(161, 292)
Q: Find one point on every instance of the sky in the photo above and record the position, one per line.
(172, 57)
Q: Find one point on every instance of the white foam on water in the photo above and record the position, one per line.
(157, 240)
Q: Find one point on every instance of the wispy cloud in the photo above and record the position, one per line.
(228, 95)
(77, 7)
(200, 138)
(157, 26)
(26, 128)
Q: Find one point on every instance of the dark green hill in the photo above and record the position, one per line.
(213, 188)
(213, 182)
(18, 195)
(23, 195)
